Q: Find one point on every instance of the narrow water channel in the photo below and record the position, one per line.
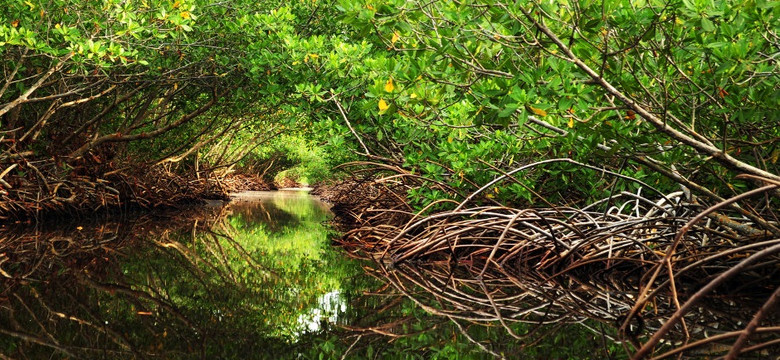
(257, 278)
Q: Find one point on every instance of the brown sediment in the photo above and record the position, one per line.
(633, 262)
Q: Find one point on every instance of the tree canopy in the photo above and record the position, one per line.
(573, 100)
(668, 91)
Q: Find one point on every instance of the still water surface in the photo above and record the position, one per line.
(257, 278)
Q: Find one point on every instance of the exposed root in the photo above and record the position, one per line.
(33, 190)
(245, 182)
(631, 261)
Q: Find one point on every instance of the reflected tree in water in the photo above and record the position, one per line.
(213, 284)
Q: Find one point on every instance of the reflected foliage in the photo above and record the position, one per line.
(398, 323)
(232, 282)
(255, 279)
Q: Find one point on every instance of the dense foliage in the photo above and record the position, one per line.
(667, 91)
(687, 89)
(92, 83)
(676, 94)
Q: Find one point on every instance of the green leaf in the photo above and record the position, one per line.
(716, 44)
(508, 110)
(707, 25)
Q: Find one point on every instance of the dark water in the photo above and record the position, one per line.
(257, 278)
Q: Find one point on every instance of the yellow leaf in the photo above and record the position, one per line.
(413, 96)
(449, 139)
(571, 122)
(537, 111)
(389, 87)
(395, 38)
(32, 7)
(383, 105)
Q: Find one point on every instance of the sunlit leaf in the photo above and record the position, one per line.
(537, 111)
(389, 87)
(383, 105)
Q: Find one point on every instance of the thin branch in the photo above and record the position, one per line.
(660, 124)
(344, 115)
(22, 98)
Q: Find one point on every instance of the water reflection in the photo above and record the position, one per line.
(329, 307)
(245, 280)
(258, 279)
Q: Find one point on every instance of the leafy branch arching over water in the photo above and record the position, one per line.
(447, 99)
